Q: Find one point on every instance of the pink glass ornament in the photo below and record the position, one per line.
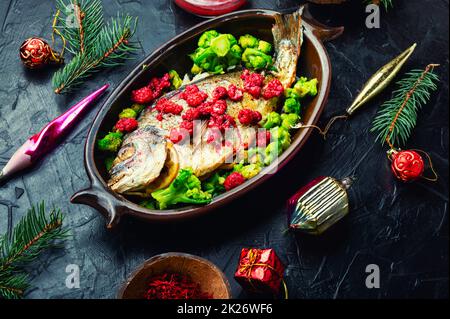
(39, 144)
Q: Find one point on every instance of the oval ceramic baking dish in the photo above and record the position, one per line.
(314, 62)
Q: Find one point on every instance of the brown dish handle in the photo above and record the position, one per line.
(105, 203)
(320, 30)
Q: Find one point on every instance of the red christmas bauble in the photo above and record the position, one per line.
(35, 53)
(407, 165)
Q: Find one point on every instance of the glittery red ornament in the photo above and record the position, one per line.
(36, 53)
(407, 165)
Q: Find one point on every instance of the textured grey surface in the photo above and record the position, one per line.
(402, 228)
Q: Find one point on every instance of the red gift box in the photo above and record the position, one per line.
(259, 270)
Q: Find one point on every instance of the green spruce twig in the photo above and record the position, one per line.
(34, 233)
(79, 21)
(93, 43)
(397, 117)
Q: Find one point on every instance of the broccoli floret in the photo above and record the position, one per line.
(273, 120)
(111, 142)
(137, 108)
(205, 39)
(221, 45)
(292, 105)
(255, 59)
(128, 114)
(248, 41)
(175, 79)
(282, 136)
(186, 188)
(232, 40)
(304, 87)
(272, 151)
(265, 47)
(207, 60)
(291, 94)
(281, 139)
(288, 121)
(214, 184)
(149, 204)
(196, 69)
(234, 56)
(248, 171)
(255, 155)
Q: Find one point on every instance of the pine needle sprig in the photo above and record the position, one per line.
(112, 47)
(397, 117)
(34, 233)
(80, 21)
(113, 42)
(13, 286)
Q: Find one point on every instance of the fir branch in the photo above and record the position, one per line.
(111, 48)
(13, 286)
(80, 21)
(34, 233)
(397, 117)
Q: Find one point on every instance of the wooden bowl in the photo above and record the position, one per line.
(313, 63)
(210, 278)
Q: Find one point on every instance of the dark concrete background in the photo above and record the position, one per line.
(402, 228)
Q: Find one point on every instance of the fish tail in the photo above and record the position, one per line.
(288, 37)
(288, 27)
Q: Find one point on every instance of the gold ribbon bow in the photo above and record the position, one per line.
(247, 267)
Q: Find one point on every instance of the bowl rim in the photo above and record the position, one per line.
(125, 206)
(167, 255)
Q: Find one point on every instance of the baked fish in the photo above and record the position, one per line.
(143, 155)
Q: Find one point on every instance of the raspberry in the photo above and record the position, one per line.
(193, 96)
(220, 93)
(221, 122)
(191, 89)
(177, 135)
(126, 125)
(228, 121)
(233, 180)
(188, 126)
(216, 121)
(158, 85)
(249, 117)
(257, 117)
(167, 106)
(142, 96)
(273, 89)
(205, 109)
(219, 107)
(234, 93)
(159, 117)
(213, 135)
(254, 91)
(253, 83)
(263, 138)
(191, 114)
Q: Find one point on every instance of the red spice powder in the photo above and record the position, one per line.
(174, 286)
